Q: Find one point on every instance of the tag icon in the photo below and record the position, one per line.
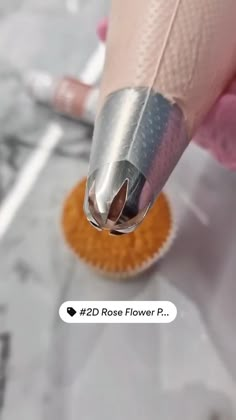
(71, 311)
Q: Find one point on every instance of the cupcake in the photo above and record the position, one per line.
(118, 256)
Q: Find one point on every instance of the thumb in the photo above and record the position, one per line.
(217, 133)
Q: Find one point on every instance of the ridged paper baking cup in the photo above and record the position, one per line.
(119, 256)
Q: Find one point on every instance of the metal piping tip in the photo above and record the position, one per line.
(118, 197)
(138, 139)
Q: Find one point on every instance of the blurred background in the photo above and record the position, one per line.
(51, 370)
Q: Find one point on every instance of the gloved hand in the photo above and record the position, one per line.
(217, 134)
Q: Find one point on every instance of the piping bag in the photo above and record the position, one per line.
(167, 62)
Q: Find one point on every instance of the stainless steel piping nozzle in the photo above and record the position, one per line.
(118, 197)
(138, 139)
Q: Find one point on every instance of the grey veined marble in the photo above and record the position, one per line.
(56, 371)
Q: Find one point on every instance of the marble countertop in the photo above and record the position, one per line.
(53, 370)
